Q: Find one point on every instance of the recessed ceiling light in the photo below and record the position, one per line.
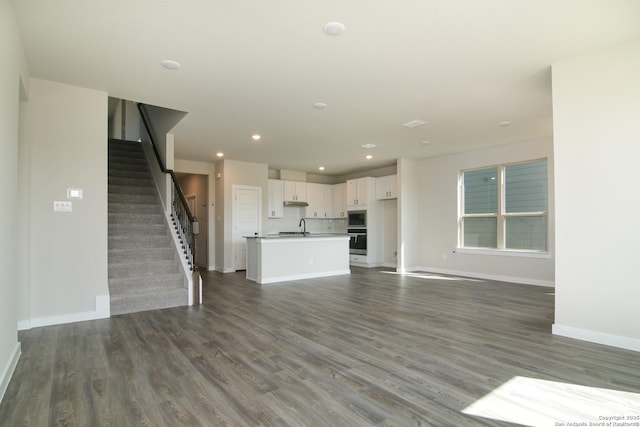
(368, 146)
(504, 124)
(170, 64)
(220, 154)
(319, 105)
(425, 142)
(333, 28)
(321, 168)
(414, 123)
(256, 137)
(368, 157)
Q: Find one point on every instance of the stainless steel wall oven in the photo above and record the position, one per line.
(357, 240)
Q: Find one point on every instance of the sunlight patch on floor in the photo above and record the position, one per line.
(541, 403)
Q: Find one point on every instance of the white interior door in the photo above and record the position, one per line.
(247, 205)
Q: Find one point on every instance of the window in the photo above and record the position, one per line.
(505, 207)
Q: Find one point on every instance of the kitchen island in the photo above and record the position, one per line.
(276, 258)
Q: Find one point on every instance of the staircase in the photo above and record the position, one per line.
(144, 268)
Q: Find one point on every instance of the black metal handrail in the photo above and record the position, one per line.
(184, 221)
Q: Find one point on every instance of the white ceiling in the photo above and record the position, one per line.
(255, 66)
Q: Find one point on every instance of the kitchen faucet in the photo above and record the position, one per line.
(303, 223)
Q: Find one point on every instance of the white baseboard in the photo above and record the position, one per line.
(596, 337)
(103, 311)
(302, 276)
(496, 277)
(9, 368)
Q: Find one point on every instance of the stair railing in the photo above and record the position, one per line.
(184, 222)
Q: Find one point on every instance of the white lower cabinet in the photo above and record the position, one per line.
(358, 259)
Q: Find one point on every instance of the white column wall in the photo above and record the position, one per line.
(409, 218)
(12, 70)
(65, 138)
(596, 107)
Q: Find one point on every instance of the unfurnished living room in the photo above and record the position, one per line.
(418, 213)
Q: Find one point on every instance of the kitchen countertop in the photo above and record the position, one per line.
(297, 236)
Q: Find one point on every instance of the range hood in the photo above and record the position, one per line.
(294, 203)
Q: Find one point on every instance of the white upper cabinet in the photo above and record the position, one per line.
(320, 199)
(358, 192)
(295, 191)
(340, 200)
(387, 187)
(276, 199)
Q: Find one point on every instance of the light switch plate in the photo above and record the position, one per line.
(62, 206)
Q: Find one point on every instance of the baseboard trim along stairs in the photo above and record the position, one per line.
(144, 266)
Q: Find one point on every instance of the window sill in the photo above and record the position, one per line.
(504, 252)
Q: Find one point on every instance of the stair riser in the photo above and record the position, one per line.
(124, 189)
(138, 208)
(142, 269)
(143, 242)
(132, 164)
(138, 255)
(134, 198)
(134, 219)
(121, 230)
(125, 173)
(117, 155)
(133, 304)
(133, 182)
(139, 284)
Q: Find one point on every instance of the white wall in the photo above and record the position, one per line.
(438, 223)
(65, 138)
(237, 173)
(12, 69)
(390, 236)
(409, 217)
(132, 122)
(596, 111)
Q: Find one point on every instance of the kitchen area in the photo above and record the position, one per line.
(319, 230)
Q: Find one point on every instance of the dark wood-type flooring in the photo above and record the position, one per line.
(372, 348)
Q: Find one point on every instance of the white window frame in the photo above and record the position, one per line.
(501, 216)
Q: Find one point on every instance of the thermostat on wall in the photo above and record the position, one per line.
(74, 193)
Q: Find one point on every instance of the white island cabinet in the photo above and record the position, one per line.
(273, 259)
